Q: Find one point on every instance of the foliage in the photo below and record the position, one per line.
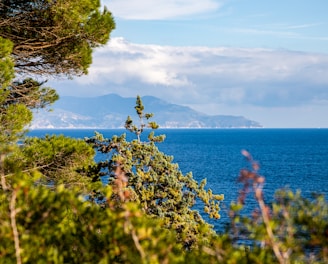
(42, 224)
(8, 128)
(293, 229)
(156, 183)
(30, 93)
(43, 38)
(17, 99)
(54, 37)
(148, 204)
(60, 227)
(6, 64)
(16, 103)
(60, 160)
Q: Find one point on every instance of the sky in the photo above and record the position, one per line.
(264, 60)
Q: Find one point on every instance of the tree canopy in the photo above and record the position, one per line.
(54, 37)
(41, 39)
(140, 172)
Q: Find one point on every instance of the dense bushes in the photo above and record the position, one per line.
(40, 225)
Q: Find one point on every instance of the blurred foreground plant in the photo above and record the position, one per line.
(293, 229)
(59, 226)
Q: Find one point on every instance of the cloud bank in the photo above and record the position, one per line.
(278, 88)
(259, 77)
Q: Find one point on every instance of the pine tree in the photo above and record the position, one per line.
(41, 39)
(54, 37)
(148, 176)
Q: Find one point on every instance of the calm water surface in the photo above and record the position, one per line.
(293, 158)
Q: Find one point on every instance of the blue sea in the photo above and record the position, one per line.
(288, 158)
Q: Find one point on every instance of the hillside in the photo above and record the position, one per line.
(111, 111)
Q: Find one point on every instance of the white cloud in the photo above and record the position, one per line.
(185, 75)
(121, 61)
(159, 9)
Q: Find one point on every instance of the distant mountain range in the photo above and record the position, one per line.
(111, 111)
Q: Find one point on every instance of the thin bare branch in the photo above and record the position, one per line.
(2, 172)
(13, 212)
